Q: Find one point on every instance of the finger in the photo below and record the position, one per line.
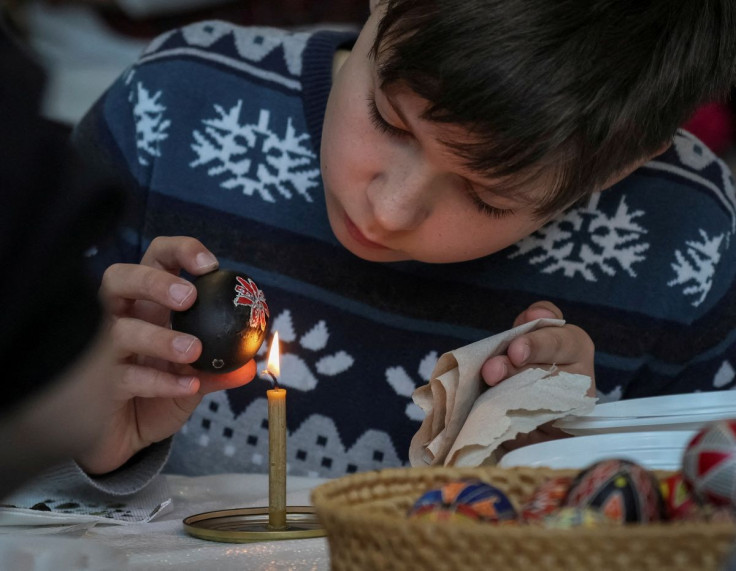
(137, 337)
(210, 382)
(173, 253)
(495, 370)
(147, 382)
(126, 289)
(568, 345)
(538, 310)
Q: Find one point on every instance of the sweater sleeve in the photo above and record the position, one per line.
(130, 478)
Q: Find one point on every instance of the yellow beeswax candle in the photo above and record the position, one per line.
(277, 458)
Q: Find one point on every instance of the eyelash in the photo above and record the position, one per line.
(385, 127)
(380, 123)
(487, 209)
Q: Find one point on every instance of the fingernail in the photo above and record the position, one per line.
(180, 292)
(525, 351)
(185, 382)
(205, 260)
(182, 343)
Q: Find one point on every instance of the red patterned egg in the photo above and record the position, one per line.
(546, 498)
(622, 490)
(464, 500)
(709, 463)
(678, 500)
(229, 317)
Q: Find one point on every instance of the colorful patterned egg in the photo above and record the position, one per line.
(546, 498)
(569, 517)
(464, 500)
(678, 500)
(229, 317)
(620, 489)
(709, 463)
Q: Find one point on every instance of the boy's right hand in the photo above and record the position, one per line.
(153, 391)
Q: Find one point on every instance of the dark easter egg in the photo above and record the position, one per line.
(620, 489)
(229, 317)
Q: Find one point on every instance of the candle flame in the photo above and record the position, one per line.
(274, 366)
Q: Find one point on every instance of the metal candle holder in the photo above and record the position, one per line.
(275, 522)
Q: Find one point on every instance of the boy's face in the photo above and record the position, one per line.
(393, 191)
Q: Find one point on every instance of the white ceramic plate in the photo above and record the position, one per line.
(653, 450)
(672, 412)
(715, 402)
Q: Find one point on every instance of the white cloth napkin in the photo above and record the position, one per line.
(466, 421)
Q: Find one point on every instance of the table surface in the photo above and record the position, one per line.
(164, 544)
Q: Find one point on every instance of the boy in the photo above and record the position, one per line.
(468, 148)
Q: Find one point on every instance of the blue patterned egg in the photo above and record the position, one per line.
(620, 489)
(464, 500)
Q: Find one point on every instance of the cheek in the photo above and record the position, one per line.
(348, 146)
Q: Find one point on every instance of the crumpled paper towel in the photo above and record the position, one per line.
(466, 421)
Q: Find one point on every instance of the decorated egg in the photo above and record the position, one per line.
(678, 500)
(464, 500)
(622, 490)
(709, 463)
(229, 317)
(566, 518)
(546, 498)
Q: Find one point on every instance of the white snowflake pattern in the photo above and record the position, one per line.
(404, 385)
(695, 268)
(150, 125)
(724, 376)
(252, 43)
(613, 395)
(587, 239)
(254, 158)
(295, 371)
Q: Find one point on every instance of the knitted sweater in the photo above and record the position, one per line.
(218, 129)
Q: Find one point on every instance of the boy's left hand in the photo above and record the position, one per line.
(568, 348)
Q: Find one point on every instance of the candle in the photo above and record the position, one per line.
(276, 442)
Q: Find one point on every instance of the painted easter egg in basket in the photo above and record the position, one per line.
(620, 489)
(678, 501)
(709, 463)
(464, 500)
(567, 518)
(546, 499)
(229, 316)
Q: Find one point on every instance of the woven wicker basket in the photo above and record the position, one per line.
(367, 529)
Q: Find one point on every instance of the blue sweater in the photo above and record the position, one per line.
(217, 129)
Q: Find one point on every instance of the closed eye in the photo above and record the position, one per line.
(484, 207)
(380, 123)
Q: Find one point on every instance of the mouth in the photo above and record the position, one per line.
(359, 237)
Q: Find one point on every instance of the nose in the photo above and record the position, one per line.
(400, 197)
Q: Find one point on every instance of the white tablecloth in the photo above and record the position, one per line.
(163, 543)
